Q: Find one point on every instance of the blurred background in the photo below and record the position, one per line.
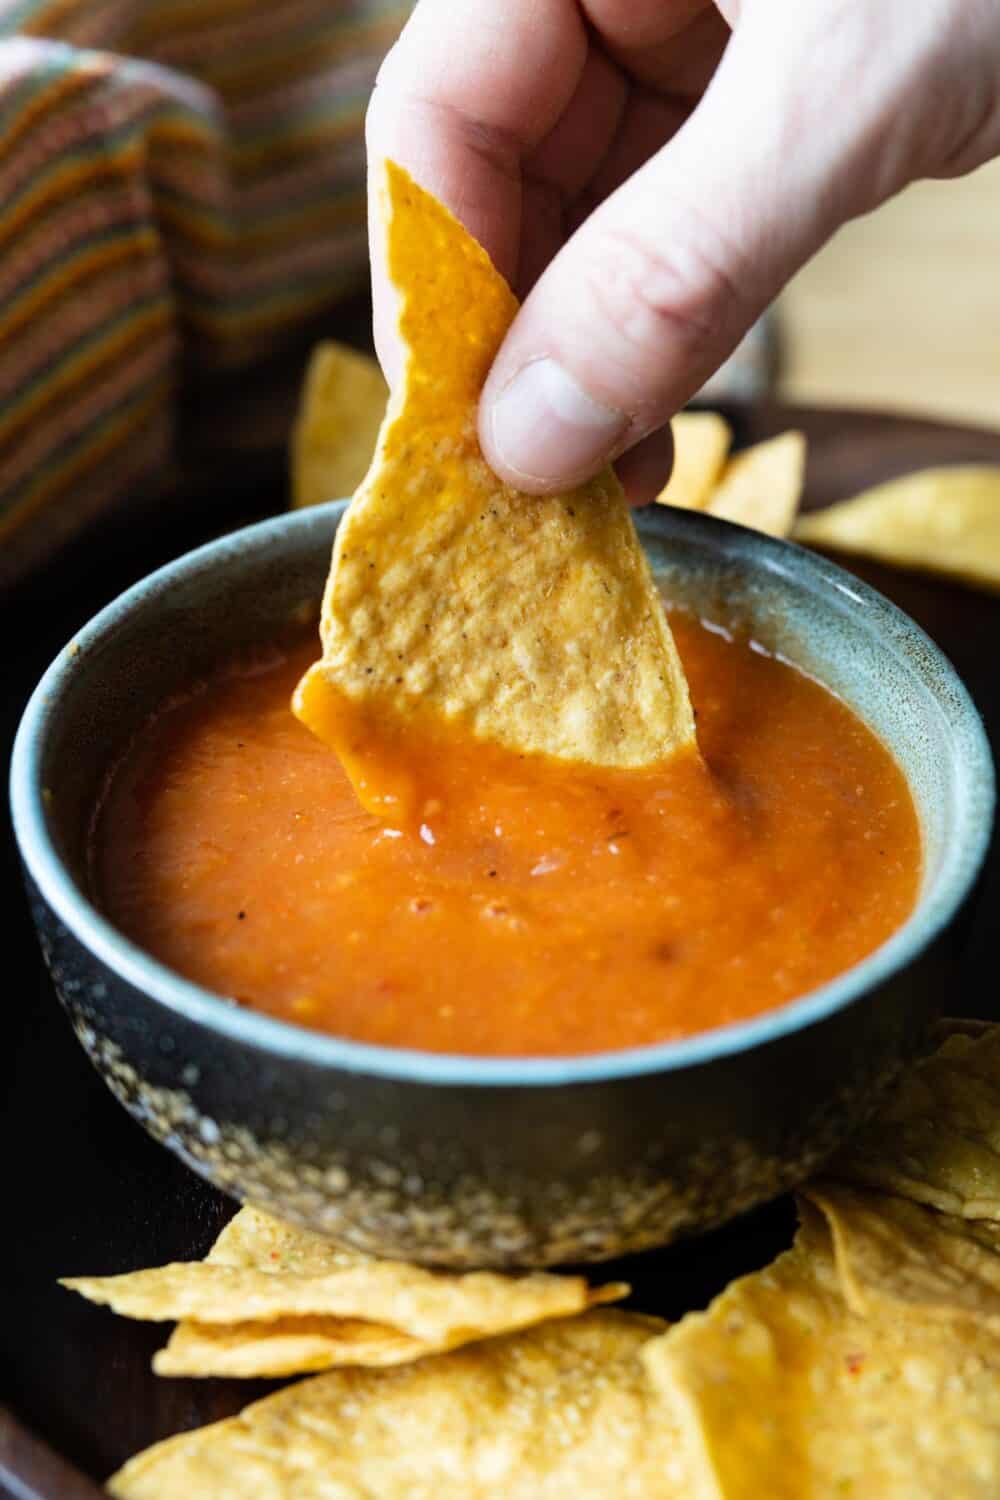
(902, 309)
(182, 218)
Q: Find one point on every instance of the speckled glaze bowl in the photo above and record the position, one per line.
(459, 1160)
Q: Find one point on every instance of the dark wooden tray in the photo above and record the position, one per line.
(86, 1191)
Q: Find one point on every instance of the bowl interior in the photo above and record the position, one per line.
(830, 625)
(178, 625)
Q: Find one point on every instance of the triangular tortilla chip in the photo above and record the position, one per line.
(532, 623)
(702, 440)
(896, 1258)
(565, 1412)
(940, 521)
(781, 1392)
(283, 1346)
(273, 1299)
(343, 403)
(762, 486)
(936, 1139)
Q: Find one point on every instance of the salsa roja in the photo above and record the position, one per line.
(516, 905)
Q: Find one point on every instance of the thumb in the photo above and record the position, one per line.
(658, 286)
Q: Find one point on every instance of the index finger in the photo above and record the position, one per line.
(467, 91)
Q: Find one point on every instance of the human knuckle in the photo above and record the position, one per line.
(648, 289)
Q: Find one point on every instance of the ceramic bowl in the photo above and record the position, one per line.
(461, 1160)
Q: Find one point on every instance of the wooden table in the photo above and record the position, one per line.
(902, 310)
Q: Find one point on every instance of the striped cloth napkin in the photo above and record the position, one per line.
(181, 187)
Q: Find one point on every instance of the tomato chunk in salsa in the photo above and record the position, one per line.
(526, 907)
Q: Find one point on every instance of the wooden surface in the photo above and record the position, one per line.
(902, 309)
(87, 1192)
(30, 1470)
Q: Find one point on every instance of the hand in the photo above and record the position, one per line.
(649, 179)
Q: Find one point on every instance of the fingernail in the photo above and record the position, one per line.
(545, 428)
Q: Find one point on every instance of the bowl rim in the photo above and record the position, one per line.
(961, 862)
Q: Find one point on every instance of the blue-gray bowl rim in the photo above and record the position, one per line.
(932, 914)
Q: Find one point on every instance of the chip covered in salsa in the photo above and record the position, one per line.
(457, 603)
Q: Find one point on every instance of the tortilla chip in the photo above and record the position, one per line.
(936, 1140)
(343, 403)
(429, 1305)
(896, 1258)
(702, 440)
(561, 1411)
(254, 1241)
(781, 1392)
(762, 486)
(272, 1299)
(532, 622)
(943, 521)
(283, 1346)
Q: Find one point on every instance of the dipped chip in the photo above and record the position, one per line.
(343, 403)
(565, 1410)
(780, 1391)
(272, 1299)
(936, 1139)
(702, 440)
(894, 1257)
(944, 521)
(761, 487)
(531, 623)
